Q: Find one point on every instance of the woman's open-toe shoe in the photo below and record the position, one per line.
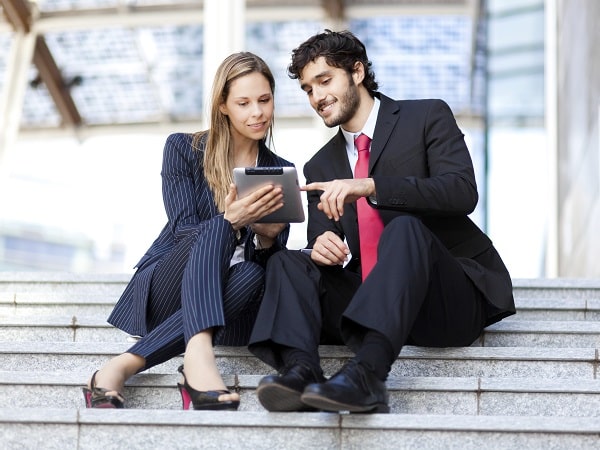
(97, 397)
(204, 400)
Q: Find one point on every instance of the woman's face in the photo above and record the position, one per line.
(249, 107)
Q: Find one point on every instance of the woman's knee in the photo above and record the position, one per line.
(250, 271)
(218, 227)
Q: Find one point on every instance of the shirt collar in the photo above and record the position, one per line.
(368, 128)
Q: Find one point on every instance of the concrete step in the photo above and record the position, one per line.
(569, 397)
(30, 293)
(539, 333)
(143, 429)
(100, 305)
(558, 288)
(413, 361)
(94, 295)
(59, 328)
(28, 283)
(557, 309)
(98, 308)
(530, 380)
(41, 304)
(507, 333)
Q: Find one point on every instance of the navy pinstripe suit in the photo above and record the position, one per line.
(184, 283)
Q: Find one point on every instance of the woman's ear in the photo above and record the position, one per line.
(223, 108)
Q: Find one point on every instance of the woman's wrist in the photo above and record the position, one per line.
(262, 242)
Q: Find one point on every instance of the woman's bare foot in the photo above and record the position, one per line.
(201, 366)
(113, 375)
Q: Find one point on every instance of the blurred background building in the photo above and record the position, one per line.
(90, 89)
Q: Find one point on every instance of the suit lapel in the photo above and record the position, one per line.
(386, 121)
(339, 162)
(264, 157)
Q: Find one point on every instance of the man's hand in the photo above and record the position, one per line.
(337, 192)
(329, 250)
(249, 209)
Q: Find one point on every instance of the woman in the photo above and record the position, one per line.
(201, 281)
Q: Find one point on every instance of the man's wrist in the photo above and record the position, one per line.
(372, 190)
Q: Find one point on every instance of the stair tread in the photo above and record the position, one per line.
(326, 351)
(424, 422)
(89, 321)
(405, 383)
(543, 390)
(73, 277)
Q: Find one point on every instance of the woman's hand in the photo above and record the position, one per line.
(247, 210)
(266, 233)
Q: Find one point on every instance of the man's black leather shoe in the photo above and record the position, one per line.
(354, 388)
(282, 392)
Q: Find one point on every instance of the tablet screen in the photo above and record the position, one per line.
(248, 179)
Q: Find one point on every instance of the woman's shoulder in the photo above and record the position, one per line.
(185, 142)
(278, 160)
(267, 157)
(179, 139)
(182, 147)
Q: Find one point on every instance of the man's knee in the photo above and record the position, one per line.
(405, 222)
(284, 258)
(277, 258)
(404, 227)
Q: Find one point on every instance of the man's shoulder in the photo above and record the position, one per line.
(412, 103)
(419, 104)
(336, 141)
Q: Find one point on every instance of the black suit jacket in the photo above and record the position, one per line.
(422, 167)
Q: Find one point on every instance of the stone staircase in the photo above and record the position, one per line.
(530, 381)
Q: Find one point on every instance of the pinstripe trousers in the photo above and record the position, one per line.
(193, 288)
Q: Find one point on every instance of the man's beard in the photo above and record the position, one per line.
(348, 104)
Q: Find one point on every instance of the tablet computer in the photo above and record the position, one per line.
(248, 179)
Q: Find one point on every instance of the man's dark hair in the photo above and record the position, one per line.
(340, 49)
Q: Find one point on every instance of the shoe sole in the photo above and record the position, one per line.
(326, 404)
(277, 398)
(221, 406)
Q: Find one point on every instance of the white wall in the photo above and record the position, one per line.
(108, 188)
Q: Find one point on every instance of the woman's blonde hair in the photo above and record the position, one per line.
(218, 158)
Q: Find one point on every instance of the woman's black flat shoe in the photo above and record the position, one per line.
(97, 397)
(204, 400)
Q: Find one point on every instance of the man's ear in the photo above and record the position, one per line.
(358, 72)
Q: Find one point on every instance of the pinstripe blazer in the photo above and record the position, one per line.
(188, 202)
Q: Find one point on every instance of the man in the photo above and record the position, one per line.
(437, 280)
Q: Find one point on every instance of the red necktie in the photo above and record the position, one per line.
(370, 224)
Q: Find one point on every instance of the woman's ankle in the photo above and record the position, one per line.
(117, 371)
(200, 365)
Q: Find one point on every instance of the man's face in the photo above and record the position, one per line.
(331, 91)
